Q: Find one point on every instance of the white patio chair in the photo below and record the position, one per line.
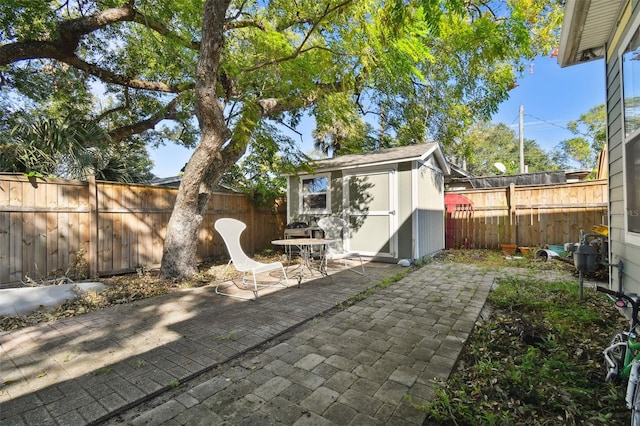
(336, 228)
(230, 230)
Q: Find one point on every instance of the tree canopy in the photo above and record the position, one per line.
(591, 135)
(219, 74)
(427, 67)
(70, 148)
(487, 143)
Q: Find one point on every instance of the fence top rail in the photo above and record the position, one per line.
(35, 180)
(594, 182)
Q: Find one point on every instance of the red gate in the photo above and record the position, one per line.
(459, 221)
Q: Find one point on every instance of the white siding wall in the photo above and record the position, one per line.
(430, 214)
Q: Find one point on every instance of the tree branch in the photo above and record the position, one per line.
(167, 113)
(110, 77)
(122, 107)
(161, 29)
(270, 107)
(300, 49)
(71, 32)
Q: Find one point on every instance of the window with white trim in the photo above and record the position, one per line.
(315, 194)
(630, 60)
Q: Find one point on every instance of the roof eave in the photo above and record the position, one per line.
(575, 14)
(585, 27)
(440, 158)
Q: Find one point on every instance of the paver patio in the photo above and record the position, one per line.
(250, 362)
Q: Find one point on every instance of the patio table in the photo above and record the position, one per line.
(306, 245)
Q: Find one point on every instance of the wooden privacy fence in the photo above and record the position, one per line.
(527, 216)
(46, 225)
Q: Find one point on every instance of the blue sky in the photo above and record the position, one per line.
(551, 97)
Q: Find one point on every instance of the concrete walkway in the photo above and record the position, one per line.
(194, 357)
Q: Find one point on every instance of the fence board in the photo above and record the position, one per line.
(4, 247)
(116, 227)
(5, 240)
(15, 247)
(529, 215)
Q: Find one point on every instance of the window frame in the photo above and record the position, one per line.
(630, 237)
(301, 186)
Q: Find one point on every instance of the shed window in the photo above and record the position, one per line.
(315, 194)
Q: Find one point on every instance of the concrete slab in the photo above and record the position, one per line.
(24, 300)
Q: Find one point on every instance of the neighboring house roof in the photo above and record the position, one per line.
(419, 152)
(174, 182)
(586, 28)
(459, 172)
(577, 174)
(537, 178)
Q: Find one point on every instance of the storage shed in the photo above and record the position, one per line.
(393, 200)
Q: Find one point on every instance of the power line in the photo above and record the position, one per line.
(549, 122)
(574, 131)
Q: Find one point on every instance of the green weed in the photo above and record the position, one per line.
(535, 358)
(230, 336)
(102, 371)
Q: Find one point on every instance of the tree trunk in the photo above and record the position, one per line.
(181, 241)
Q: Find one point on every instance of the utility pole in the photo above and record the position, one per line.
(522, 139)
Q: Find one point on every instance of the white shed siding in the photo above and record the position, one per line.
(430, 213)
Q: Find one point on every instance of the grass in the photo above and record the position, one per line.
(536, 360)
(383, 283)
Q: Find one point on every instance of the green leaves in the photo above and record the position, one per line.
(533, 361)
(26, 19)
(410, 69)
(260, 173)
(71, 148)
(486, 143)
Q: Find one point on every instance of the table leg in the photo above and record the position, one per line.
(323, 262)
(306, 261)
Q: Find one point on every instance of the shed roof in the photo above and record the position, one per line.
(586, 29)
(418, 152)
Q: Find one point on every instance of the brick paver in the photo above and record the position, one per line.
(193, 357)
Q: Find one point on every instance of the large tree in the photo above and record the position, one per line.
(486, 144)
(426, 67)
(590, 132)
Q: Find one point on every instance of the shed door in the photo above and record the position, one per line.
(371, 205)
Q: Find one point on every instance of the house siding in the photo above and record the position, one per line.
(629, 254)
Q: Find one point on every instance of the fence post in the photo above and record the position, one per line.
(93, 226)
(513, 214)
